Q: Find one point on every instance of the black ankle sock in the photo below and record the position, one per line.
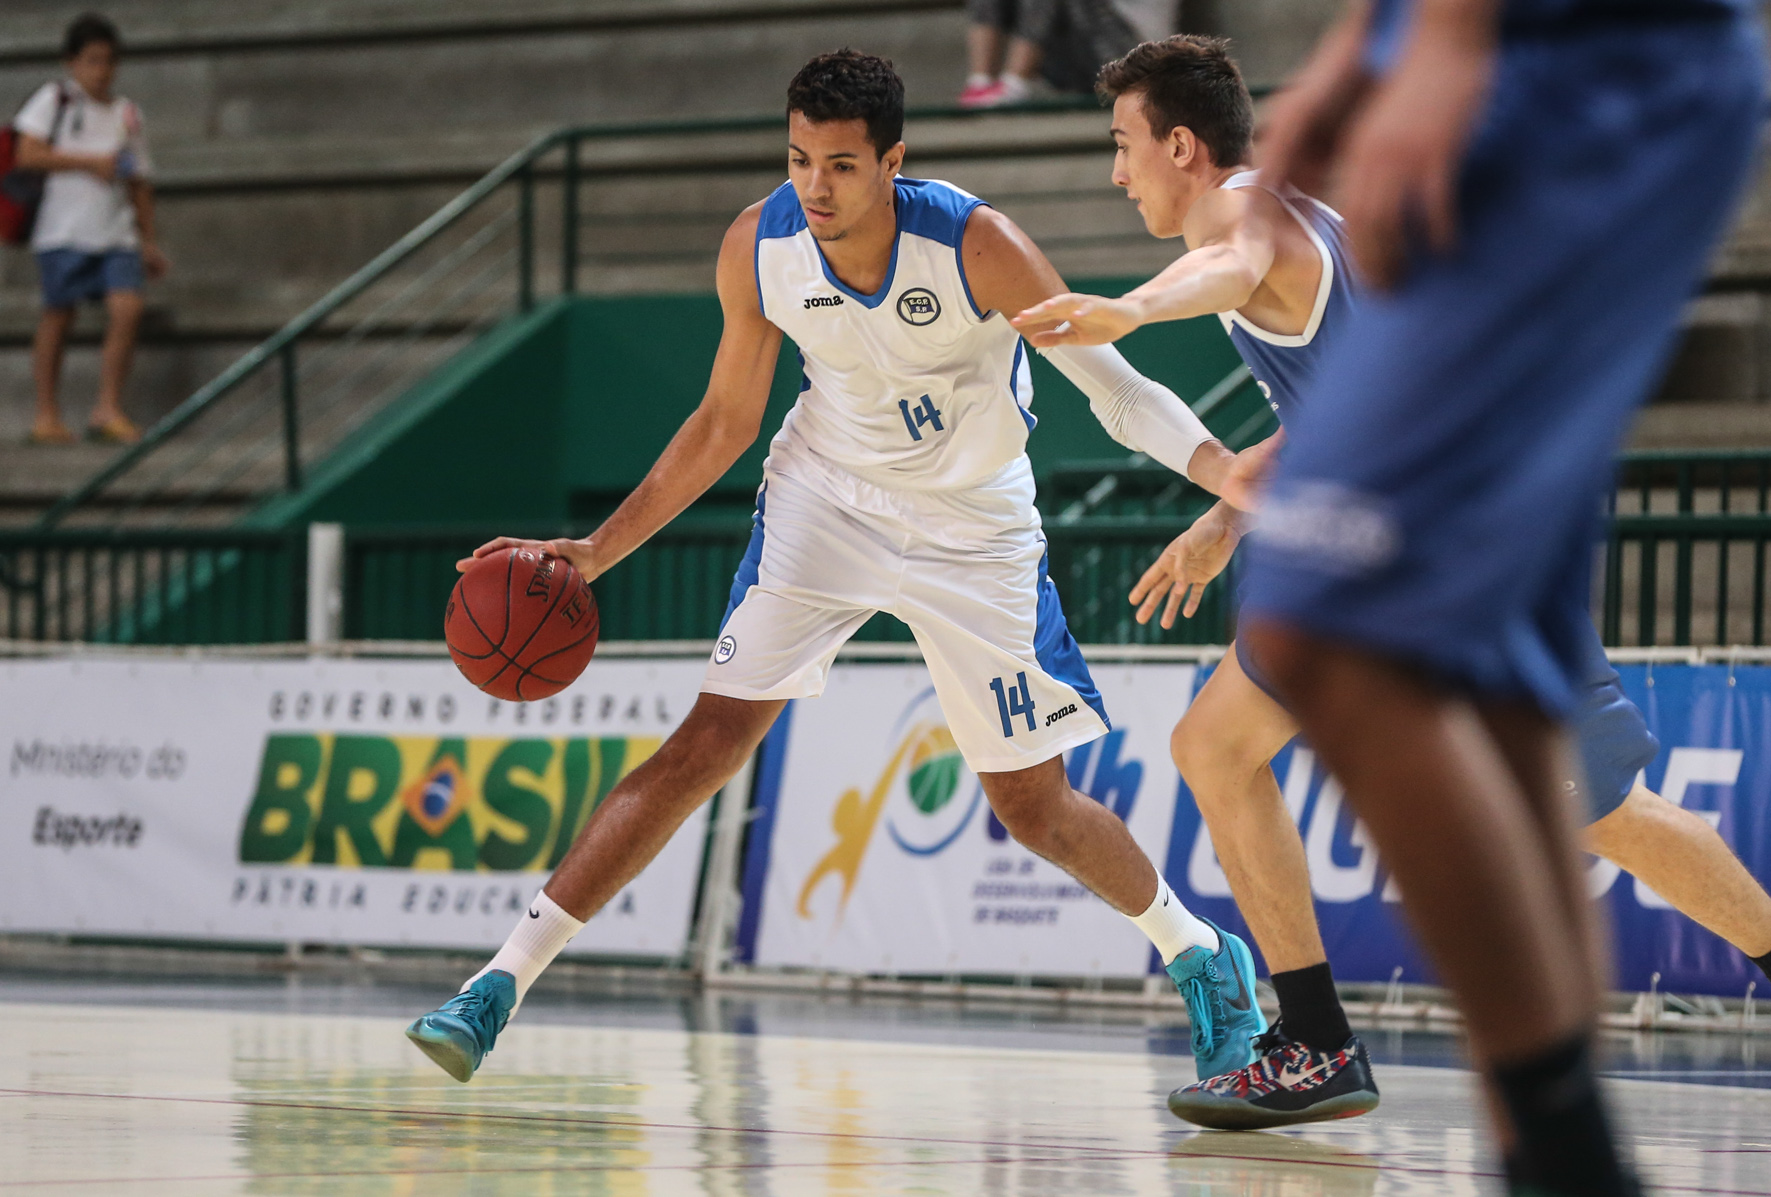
(1311, 1009)
(1764, 963)
(1564, 1144)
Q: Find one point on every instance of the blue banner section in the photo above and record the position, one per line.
(1714, 726)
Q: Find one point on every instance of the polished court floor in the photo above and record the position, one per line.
(300, 1087)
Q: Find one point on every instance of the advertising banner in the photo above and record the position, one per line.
(873, 850)
(1714, 727)
(367, 802)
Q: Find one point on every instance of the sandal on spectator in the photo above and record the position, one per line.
(50, 434)
(118, 430)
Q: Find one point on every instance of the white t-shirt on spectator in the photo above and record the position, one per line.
(80, 210)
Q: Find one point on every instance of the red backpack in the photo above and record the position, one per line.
(21, 191)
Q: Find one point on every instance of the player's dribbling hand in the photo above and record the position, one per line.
(1077, 320)
(1194, 558)
(581, 556)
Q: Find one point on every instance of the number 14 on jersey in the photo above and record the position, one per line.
(915, 417)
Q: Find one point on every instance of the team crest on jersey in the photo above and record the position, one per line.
(918, 306)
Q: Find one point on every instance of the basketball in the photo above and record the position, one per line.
(521, 624)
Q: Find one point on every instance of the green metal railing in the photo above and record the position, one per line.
(195, 587)
(510, 239)
(1666, 579)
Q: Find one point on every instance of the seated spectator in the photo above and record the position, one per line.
(1017, 49)
(94, 236)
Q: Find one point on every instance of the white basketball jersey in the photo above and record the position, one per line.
(912, 387)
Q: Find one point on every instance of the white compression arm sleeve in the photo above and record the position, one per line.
(1138, 413)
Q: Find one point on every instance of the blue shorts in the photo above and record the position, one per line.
(1440, 497)
(1615, 743)
(73, 276)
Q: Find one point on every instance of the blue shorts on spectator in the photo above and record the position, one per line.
(71, 277)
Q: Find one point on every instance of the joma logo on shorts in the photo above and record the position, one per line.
(823, 301)
(1059, 714)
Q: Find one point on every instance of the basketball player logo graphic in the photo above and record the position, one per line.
(918, 306)
(922, 778)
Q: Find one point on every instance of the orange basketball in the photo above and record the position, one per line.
(521, 624)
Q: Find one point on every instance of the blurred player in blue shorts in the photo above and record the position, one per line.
(1532, 187)
(1274, 265)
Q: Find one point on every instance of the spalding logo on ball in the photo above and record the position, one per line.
(521, 624)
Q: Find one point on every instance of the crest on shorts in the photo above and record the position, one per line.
(725, 650)
(918, 306)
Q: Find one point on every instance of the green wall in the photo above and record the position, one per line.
(556, 414)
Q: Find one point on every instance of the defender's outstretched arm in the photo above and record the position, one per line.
(1231, 245)
(711, 439)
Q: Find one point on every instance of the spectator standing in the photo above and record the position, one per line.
(94, 236)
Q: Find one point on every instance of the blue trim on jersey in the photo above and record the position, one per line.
(781, 216)
(746, 577)
(934, 210)
(1055, 649)
(866, 301)
(939, 213)
(1014, 386)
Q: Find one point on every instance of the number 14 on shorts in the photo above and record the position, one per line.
(1013, 701)
(915, 417)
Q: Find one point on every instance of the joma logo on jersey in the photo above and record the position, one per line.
(823, 301)
(1060, 713)
(918, 306)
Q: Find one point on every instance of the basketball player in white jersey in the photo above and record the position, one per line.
(1274, 266)
(899, 482)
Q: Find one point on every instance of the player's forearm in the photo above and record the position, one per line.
(1138, 413)
(1210, 279)
(703, 449)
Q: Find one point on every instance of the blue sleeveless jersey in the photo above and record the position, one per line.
(1284, 365)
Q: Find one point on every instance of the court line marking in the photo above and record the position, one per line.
(1369, 1161)
(1115, 1154)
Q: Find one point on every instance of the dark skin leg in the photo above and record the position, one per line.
(1074, 832)
(647, 806)
(1468, 810)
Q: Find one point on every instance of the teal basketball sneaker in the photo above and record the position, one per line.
(1219, 988)
(460, 1033)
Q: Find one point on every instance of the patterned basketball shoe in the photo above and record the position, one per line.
(1287, 1083)
(1219, 988)
(459, 1034)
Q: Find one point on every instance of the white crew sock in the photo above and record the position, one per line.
(542, 931)
(1171, 927)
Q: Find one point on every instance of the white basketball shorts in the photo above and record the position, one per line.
(964, 569)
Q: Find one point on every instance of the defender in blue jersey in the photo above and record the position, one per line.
(1294, 249)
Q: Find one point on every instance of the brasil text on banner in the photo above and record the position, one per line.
(355, 802)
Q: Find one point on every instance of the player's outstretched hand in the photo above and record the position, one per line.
(1194, 558)
(1077, 320)
(580, 554)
